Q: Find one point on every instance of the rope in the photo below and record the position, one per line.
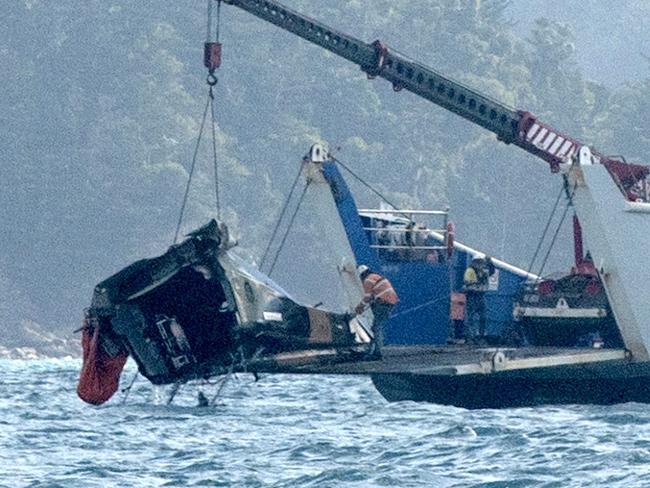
(173, 392)
(418, 307)
(557, 230)
(211, 81)
(222, 382)
(286, 234)
(189, 180)
(214, 155)
(208, 34)
(279, 221)
(286, 204)
(548, 224)
(218, 20)
(226, 377)
(127, 390)
(368, 185)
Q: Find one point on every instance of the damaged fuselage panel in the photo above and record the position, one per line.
(188, 313)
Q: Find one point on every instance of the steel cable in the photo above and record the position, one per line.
(214, 156)
(367, 185)
(193, 166)
(282, 212)
(286, 234)
(557, 230)
(548, 224)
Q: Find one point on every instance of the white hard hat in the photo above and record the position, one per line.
(362, 268)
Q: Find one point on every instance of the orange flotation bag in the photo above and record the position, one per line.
(100, 372)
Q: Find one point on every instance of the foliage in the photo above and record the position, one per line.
(102, 105)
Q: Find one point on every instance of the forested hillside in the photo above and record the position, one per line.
(102, 100)
(612, 38)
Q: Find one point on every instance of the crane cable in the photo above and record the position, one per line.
(293, 217)
(215, 161)
(548, 224)
(211, 81)
(366, 184)
(192, 167)
(291, 221)
(569, 204)
(208, 34)
(285, 206)
(563, 189)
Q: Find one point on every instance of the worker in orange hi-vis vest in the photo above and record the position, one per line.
(381, 297)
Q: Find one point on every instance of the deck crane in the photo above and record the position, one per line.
(512, 126)
(610, 196)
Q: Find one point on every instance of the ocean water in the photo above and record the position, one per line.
(286, 431)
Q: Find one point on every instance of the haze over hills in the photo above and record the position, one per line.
(102, 104)
(612, 40)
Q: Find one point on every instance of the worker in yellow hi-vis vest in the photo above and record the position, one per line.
(476, 282)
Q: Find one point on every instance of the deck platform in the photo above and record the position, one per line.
(485, 377)
(439, 361)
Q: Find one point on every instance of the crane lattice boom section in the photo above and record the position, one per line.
(376, 60)
(510, 125)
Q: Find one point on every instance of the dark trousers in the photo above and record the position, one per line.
(381, 313)
(459, 329)
(475, 317)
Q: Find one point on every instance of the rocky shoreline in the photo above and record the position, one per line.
(31, 353)
(29, 340)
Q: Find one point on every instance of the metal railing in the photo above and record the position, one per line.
(412, 234)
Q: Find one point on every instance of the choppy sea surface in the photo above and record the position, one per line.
(286, 431)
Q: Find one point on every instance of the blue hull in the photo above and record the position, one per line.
(423, 280)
